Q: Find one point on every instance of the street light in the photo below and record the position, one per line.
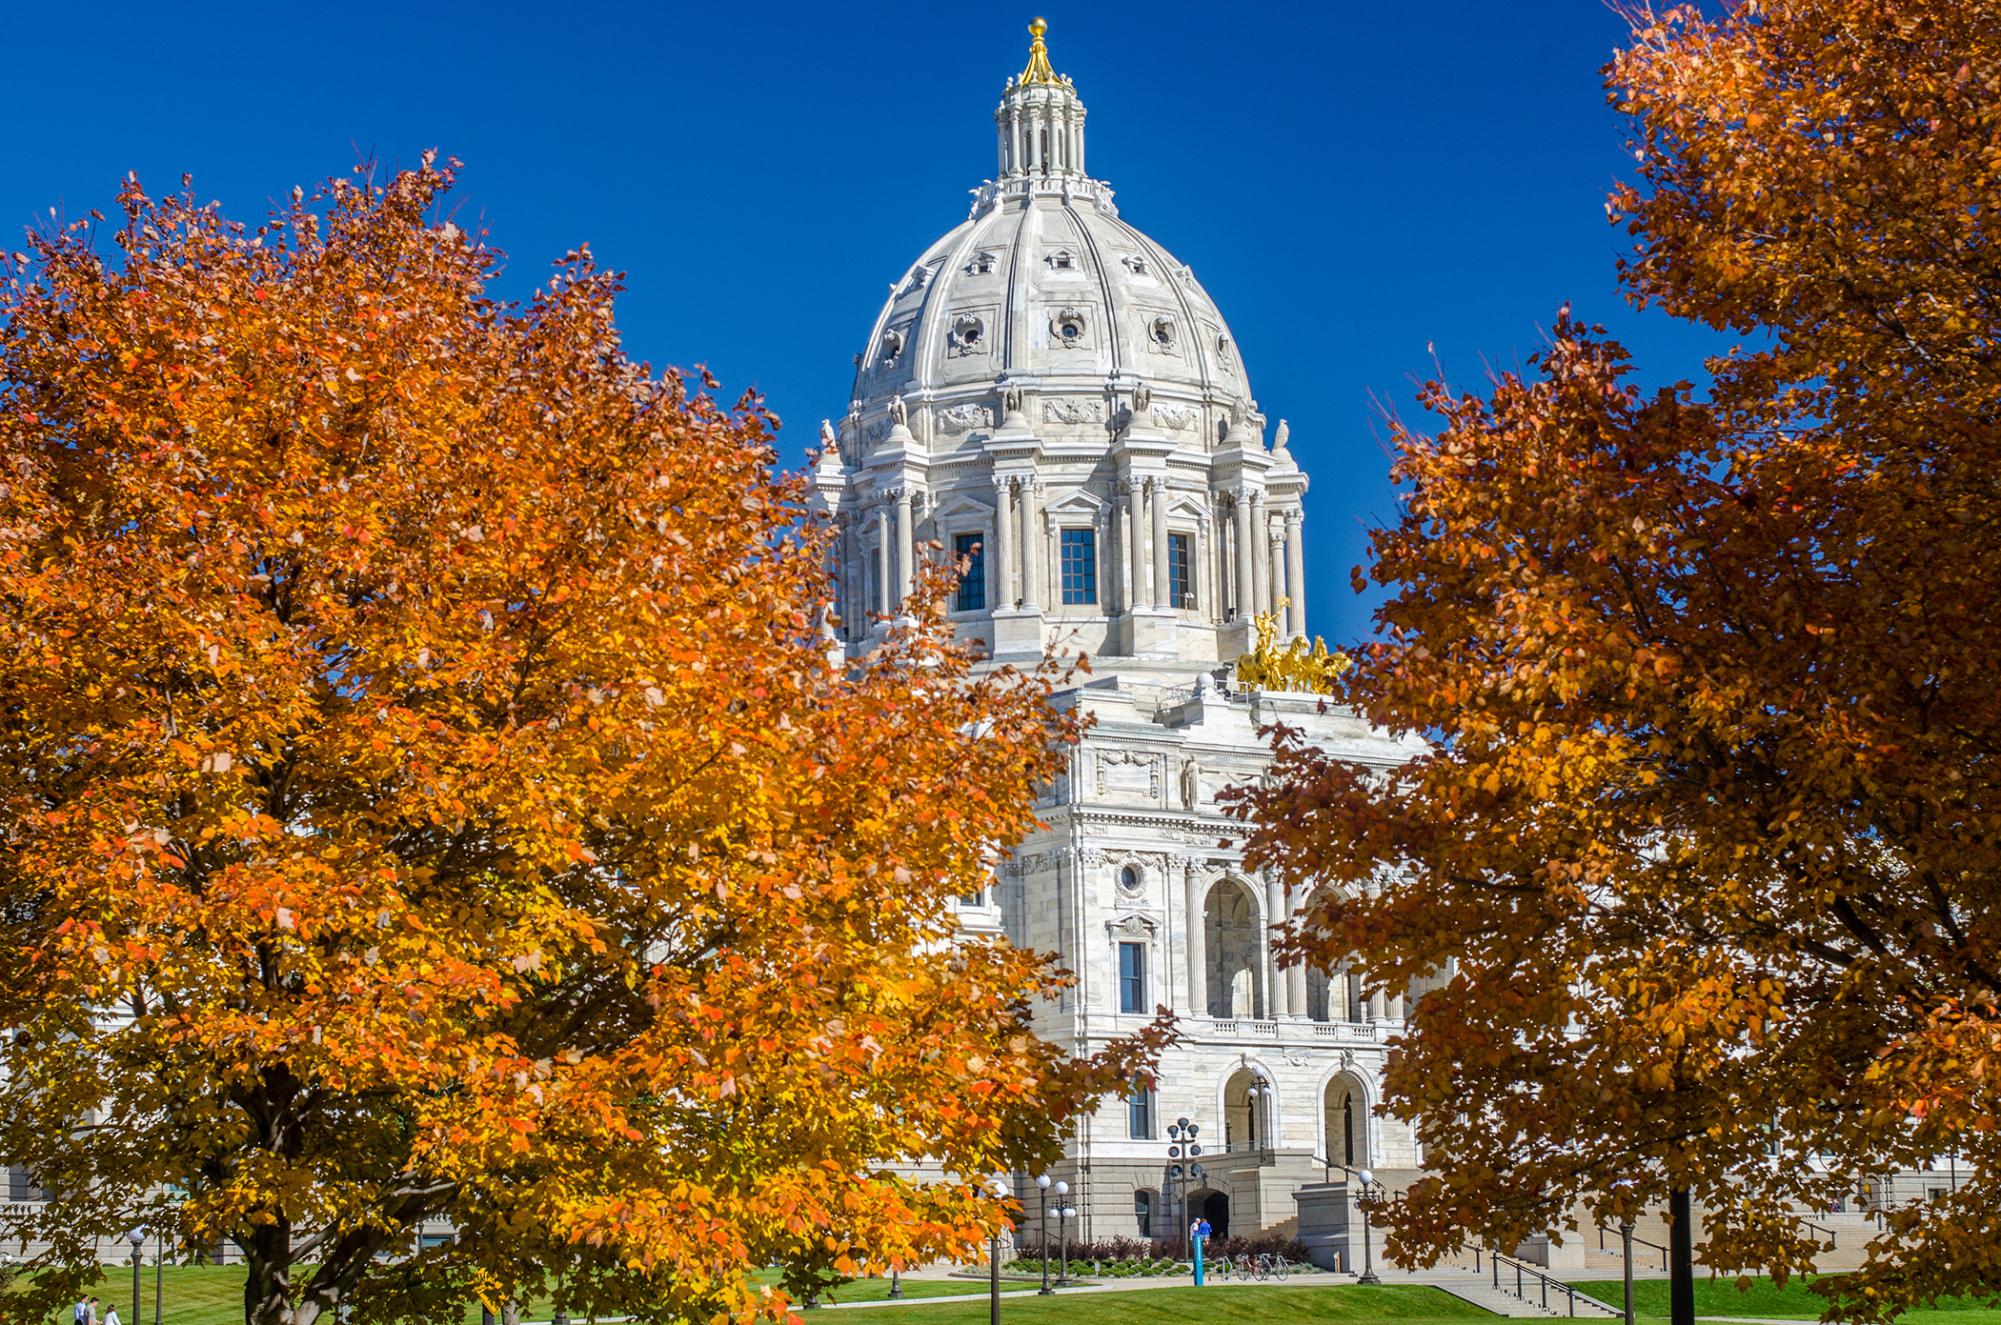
(1062, 1236)
(1181, 1136)
(1000, 1189)
(137, 1237)
(1042, 1230)
(1626, 1238)
(1368, 1254)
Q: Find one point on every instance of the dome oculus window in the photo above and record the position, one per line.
(892, 346)
(1068, 325)
(1223, 350)
(1161, 333)
(969, 334)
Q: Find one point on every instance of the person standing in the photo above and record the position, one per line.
(111, 1316)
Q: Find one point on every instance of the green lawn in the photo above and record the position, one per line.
(1722, 1297)
(211, 1295)
(1403, 1303)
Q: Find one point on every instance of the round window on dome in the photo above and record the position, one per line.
(1068, 326)
(892, 346)
(1162, 332)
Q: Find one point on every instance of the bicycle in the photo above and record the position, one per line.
(1272, 1267)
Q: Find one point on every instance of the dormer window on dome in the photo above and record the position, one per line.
(1134, 263)
(969, 333)
(1062, 259)
(982, 263)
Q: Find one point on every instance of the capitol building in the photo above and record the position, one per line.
(1051, 398)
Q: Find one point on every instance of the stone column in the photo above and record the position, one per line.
(1199, 559)
(1031, 536)
(1257, 551)
(906, 546)
(1157, 494)
(1276, 1005)
(1241, 554)
(1337, 994)
(1378, 1006)
(1295, 977)
(1136, 536)
(1275, 558)
(1295, 569)
(884, 585)
(1003, 551)
(1396, 1008)
(1198, 946)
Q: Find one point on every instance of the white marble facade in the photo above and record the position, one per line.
(1048, 390)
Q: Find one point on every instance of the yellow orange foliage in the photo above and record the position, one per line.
(427, 795)
(1706, 846)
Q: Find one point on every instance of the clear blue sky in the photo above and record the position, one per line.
(1353, 182)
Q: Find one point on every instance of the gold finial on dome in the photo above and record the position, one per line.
(1038, 70)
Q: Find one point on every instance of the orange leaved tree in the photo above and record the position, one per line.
(430, 807)
(1706, 846)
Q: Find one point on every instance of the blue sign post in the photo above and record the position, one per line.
(1198, 1260)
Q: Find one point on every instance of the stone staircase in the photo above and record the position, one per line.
(1507, 1288)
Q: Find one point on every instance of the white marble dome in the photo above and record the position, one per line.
(1049, 281)
(1050, 398)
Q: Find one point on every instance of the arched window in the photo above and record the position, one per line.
(1143, 1201)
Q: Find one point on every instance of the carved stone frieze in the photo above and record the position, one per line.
(1073, 411)
(965, 418)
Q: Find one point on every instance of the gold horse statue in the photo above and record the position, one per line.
(1293, 666)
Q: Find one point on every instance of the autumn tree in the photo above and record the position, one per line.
(428, 795)
(1705, 845)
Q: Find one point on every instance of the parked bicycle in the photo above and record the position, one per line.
(1272, 1267)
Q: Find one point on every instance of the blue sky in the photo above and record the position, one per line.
(1354, 183)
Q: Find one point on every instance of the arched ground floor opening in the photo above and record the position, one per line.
(1215, 1208)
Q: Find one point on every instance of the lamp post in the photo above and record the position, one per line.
(1042, 1230)
(1181, 1136)
(895, 1282)
(1626, 1239)
(159, 1276)
(1368, 1253)
(1062, 1236)
(1000, 1191)
(137, 1237)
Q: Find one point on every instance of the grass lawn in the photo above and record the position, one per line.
(1403, 1303)
(213, 1295)
(1721, 1297)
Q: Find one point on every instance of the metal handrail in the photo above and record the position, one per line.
(1520, 1290)
(1637, 1241)
(1811, 1226)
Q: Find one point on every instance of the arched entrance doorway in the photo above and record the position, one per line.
(1347, 1122)
(1230, 924)
(1250, 1111)
(1214, 1207)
